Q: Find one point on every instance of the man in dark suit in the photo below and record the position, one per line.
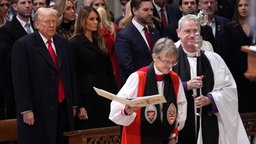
(133, 49)
(169, 13)
(9, 33)
(226, 8)
(215, 22)
(44, 83)
(191, 7)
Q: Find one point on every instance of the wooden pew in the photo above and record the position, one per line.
(249, 121)
(104, 135)
(107, 135)
(8, 130)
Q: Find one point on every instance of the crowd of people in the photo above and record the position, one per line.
(53, 52)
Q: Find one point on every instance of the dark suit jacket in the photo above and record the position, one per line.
(93, 69)
(9, 33)
(173, 15)
(206, 32)
(226, 8)
(132, 50)
(220, 22)
(4, 69)
(12, 31)
(35, 81)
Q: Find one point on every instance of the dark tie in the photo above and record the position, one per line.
(159, 77)
(149, 39)
(61, 94)
(163, 18)
(27, 26)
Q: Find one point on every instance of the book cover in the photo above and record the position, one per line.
(137, 102)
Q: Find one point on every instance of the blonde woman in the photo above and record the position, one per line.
(66, 17)
(109, 30)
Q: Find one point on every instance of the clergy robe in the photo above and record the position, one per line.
(132, 89)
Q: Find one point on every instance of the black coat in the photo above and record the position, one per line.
(132, 50)
(35, 80)
(9, 34)
(93, 69)
(4, 69)
(173, 15)
(219, 32)
(12, 31)
(236, 60)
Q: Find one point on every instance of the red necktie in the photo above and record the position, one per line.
(164, 21)
(149, 39)
(61, 94)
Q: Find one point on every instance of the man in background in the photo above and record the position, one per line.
(19, 26)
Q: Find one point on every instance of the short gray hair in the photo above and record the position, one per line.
(167, 45)
(186, 18)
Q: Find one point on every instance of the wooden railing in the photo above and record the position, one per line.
(249, 121)
(105, 135)
(8, 130)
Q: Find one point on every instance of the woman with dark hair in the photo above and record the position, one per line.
(236, 34)
(93, 69)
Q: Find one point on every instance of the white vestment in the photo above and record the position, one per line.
(224, 93)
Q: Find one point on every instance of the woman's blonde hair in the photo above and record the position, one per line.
(60, 6)
(105, 22)
(127, 17)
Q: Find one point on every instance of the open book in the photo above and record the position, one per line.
(137, 102)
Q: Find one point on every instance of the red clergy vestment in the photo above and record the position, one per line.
(132, 134)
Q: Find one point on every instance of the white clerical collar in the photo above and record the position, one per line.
(157, 72)
(190, 54)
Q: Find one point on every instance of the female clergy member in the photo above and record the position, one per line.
(153, 124)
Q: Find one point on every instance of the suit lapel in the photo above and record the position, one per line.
(135, 31)
(41, 47)
(18, 27)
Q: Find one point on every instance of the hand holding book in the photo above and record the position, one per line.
(137, 102)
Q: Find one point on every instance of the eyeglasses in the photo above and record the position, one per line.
(168, 63)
